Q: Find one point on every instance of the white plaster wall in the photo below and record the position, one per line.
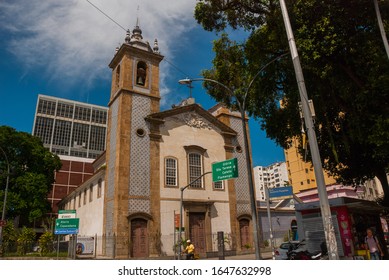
(176, 135)
(91, 213)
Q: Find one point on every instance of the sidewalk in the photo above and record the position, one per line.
(264, 255)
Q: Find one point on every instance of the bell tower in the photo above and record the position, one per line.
(130, 153)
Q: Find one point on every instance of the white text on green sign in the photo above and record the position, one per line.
(66, 226)
(225, 170)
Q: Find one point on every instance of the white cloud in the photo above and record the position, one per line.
(72, 40)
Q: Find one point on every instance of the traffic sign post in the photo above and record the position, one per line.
(66, 226)
(225, 170)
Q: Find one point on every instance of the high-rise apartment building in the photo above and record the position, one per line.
(272, 176)
(300, 172)
(76, 132)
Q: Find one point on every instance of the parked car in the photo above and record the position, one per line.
(280, 252)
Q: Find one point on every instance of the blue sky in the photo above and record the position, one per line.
(62, 49)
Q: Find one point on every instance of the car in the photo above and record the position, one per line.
(281, 252)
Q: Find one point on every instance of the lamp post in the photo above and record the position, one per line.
(329, 231)
(4, 203)
(242, 109)
(270, 222)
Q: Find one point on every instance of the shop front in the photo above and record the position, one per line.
(351, 217)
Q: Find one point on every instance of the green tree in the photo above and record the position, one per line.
(46, 242)
(32, 169)
(10, 236)
(25, 240)
(345, 68)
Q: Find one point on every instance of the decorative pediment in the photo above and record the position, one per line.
(192, 115)
(193, 120)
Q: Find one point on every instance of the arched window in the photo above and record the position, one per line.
(170, 172)
(141, 73)
(195, 169)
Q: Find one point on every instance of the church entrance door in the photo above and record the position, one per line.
(244, 233)
(197, 231)
(139, 238)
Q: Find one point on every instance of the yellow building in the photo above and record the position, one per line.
(301, 173)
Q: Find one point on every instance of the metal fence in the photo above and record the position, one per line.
(105, 246)
(278, 238)
(21, 249)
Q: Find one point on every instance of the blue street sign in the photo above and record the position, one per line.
(281, 193)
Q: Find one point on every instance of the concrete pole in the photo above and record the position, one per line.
(314, 148)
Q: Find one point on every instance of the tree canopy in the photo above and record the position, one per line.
(345, 68)
(32, 168)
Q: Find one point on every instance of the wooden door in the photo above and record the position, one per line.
(197, 231)
(244, 233)
(140, 246)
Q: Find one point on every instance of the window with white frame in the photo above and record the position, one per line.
(195, 169)
(218, 185)
(171, 172)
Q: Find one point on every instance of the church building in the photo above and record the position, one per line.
(152, 154)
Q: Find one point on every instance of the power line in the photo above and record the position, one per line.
(102, 12)
(97, 8)
(176, 67)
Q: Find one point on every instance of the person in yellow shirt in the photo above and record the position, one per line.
(189, 250)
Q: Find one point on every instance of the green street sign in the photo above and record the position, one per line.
(66, 226)
(225, 170)
(66, 214)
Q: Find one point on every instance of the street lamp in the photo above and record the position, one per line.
(242, 109)
(4, 203)
(329, 231)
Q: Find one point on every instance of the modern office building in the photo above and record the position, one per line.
(76, 132)
(272, 176)
(69, 127)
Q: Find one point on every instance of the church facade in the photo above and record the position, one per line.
(151, 155)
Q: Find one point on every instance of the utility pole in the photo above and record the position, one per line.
(329, 231)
